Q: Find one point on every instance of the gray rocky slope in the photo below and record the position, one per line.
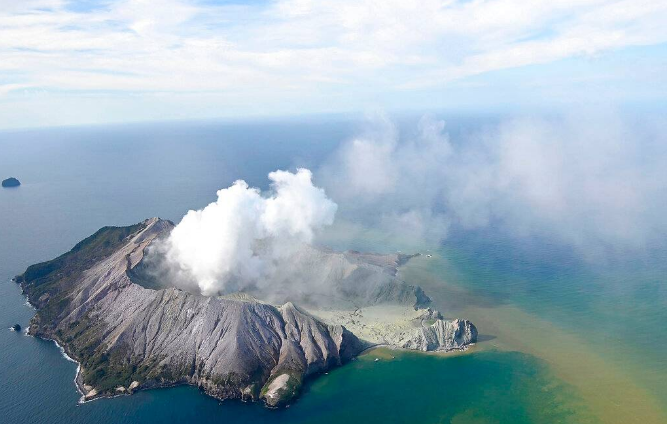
(322, 277)
(127, 336)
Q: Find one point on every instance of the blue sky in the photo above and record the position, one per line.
(79, 62)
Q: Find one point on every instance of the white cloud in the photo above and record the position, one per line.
(299, 48)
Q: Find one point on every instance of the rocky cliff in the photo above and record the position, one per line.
(128, 331)
(126, 336)
(442, 335)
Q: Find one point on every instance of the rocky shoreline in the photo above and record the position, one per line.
(403, 327)
(125, 337)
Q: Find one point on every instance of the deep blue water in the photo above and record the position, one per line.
(77, 180)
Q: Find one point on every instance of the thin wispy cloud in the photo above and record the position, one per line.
(265, 52)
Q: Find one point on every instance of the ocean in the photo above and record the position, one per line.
(563, 340)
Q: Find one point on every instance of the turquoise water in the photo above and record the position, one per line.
(77, 180)
(617, 304)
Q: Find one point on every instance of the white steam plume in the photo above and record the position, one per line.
(593, 182)
(233, 242)
(394, 184)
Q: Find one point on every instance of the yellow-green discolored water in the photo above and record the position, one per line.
(612, 382)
